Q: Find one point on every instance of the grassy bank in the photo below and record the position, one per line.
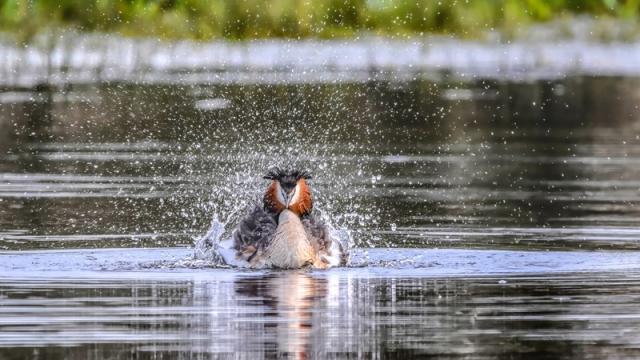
(244, 19)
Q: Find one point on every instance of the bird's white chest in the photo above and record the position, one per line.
(290, 247)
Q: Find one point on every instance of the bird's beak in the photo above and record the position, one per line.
(290, 197)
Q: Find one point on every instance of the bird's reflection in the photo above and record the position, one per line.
(290, 301)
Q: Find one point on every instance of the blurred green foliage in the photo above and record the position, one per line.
(243, 19)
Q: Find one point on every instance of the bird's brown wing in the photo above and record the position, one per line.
(254, 232)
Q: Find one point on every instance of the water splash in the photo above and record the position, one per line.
(207, 247)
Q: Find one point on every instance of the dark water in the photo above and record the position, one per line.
(541, 166)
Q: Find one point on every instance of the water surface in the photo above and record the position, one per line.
(503, 217)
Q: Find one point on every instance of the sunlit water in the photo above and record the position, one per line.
(490, 219)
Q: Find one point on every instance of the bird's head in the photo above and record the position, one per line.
(288, 190)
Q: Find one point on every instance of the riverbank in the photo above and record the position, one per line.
(82, 58)
(260, 19)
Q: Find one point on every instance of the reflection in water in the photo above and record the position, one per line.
(322, 315)
(291, 300)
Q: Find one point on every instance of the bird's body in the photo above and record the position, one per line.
(289, 247)
(285, 233)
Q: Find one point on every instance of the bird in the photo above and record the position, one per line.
(285, 232)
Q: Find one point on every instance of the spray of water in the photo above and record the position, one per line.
(231, 149)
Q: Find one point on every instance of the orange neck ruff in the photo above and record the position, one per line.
(301, 207)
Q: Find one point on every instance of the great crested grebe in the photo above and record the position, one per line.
(285, 232)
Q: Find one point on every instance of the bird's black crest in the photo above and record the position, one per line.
(286, 174)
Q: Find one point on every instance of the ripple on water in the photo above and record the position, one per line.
(182, 263)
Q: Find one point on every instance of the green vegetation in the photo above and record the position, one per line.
(243, 19)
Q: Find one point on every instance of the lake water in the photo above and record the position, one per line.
(490, 218)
